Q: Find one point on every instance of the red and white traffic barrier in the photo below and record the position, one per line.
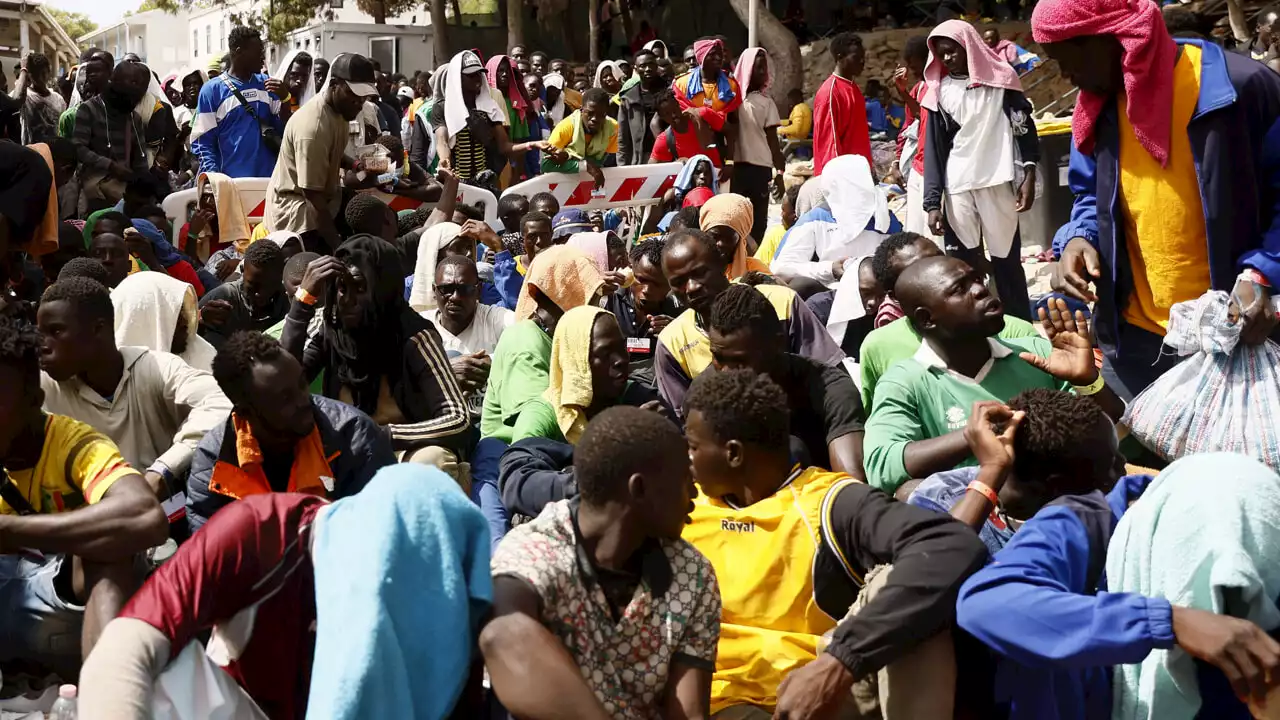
(624, 186)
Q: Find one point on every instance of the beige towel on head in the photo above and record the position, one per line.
(233, 224)
(564, 275)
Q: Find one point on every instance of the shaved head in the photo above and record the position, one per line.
(944, 297)
(918, 283)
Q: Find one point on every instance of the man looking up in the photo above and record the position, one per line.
(839, 110)
(823, 546)
(826, 417)
(922, 404)
(638, 108)
(152, 405)
(1185, 152)
(611, 560)
(67, 495)
(696, 271)
(279, 437)
(228, 131)
(110, 137)
(303, 194)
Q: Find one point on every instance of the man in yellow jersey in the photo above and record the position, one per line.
(73, 515)
(1175, 167)
(696, 270)
(600, 609)
(828, 555)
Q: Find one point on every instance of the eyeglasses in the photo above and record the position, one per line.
(461, 289)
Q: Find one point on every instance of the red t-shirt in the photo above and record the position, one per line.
(687, 146)
(839, 123)
(253, 555)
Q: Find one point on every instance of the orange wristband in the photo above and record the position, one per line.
(305, 297)
(985, 491)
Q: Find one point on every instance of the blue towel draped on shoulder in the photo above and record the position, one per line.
(723, 88)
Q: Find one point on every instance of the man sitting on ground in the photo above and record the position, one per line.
(821, 546)
(279, 437)
(152, 405)
(645, 309)
(612, 561)
(696, 270)
(826, 417)
(70, 508)
(916, 426)
(254, 302)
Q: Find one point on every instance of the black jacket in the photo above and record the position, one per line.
(534, 472)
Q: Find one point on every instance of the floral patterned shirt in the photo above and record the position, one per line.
(673, 614)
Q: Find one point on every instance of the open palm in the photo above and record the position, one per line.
(1072, 357)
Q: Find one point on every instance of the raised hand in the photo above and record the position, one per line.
(1072, 357)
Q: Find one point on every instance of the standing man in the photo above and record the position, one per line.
(839, 110)
(238, 127)
(709, 90)
(41, 107)
(303, 194)
(1182, 137)
(91, 80)
(638, 108)
(109, 136)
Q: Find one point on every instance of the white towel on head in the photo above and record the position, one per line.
(147, 307)
(847, 305)
(455, 107)
(422, 297)
(555, 80)
(309, 87)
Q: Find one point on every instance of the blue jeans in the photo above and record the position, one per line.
(36, 624)
(484, 487)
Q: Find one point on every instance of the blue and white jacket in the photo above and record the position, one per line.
(225, 137)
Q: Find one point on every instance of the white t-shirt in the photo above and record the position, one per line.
(758, 112)
(982, 151)
(481, 334)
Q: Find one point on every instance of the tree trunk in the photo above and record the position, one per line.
(627, 28)
(780, 43)
(379, 12)
(438, 34)
(515, 23)
(593, 33)
(457, 13)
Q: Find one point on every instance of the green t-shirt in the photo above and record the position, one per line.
(67, 123)
(518, 374)
(917, 399)
(537, 419)
(899, 340)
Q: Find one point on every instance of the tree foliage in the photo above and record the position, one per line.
(76, 24)
(380, 10)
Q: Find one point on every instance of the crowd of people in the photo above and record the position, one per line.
(675, 460)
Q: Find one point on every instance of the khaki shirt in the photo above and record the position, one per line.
(310, 159)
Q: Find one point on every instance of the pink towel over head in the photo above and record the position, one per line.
(747, 64)
(1149, 57)
(702, 47)
(985, 66)
(514, 86)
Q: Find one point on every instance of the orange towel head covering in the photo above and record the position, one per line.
(564, 275)
(734, 211)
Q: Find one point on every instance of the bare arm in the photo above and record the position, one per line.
(529, 669)
(443, 151)
(688, 693)
(1239, 23)
(846, 455)
(443, 211)
(127, 520)
(922, 458)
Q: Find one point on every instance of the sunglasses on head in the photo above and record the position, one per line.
(463, 289)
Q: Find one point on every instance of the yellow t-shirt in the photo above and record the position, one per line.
(690, 345)
(799, 123)
(1164, 224)
(562, 135)
(770, 622)
(769, 245)
(77, 465)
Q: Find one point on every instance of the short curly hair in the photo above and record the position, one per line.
(742, 307)
(89, 298)
(20, 348)
(741, 405)
(618, 443)
(413, 220)
(882, 261)
(1056, 435)
(366, 214)
(650, 249)
(84, 267)
(265, 255)
(545, 197)
(240, 35)
(233, 365)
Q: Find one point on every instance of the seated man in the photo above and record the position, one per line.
(512, 208)
(367, 214)
(1046, 609)
(612, 561)
(894, 338)
(509, 269)
(281, 595)
(73, 516)
(533, 473)
(380, 356)
(696, 270)
(279, 438)
(826, 417)
(152, 405)
(256, 301)
(821, 546)
(645, 309)
(916, 426)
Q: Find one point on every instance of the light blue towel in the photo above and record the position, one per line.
(684, 180)
(1205, 535)
(402, 585)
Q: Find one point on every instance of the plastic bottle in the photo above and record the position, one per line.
(65, 706)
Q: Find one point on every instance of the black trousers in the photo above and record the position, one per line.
(752, 182)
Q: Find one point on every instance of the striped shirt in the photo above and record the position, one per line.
(102, 135)
(225, 137)
(77, 466)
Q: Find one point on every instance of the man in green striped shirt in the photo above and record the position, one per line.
(922, 404)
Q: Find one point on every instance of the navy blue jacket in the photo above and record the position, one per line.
(1235, 138)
